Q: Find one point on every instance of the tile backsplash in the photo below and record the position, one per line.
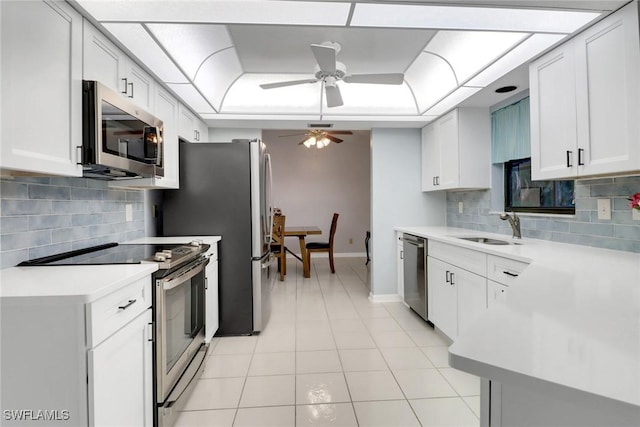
(41, 216)
(622, 232)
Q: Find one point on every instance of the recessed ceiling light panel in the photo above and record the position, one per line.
(469, 18)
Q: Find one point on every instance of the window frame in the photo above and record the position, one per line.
(530, 209)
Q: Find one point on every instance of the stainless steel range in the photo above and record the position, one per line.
(178, 312)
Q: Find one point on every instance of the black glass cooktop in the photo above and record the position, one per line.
(110, 253)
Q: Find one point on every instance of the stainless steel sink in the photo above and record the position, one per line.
(488, 241)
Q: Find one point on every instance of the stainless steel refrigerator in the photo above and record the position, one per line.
(225, 190)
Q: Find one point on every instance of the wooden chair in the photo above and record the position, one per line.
(277, 244)
(324, 246)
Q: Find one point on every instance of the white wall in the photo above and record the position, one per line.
(227, 134)
(311, 184)
(397, 200)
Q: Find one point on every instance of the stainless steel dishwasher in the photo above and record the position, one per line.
(415, 273)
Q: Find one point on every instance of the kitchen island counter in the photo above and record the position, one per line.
(570, 326)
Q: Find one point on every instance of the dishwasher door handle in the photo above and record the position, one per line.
(413, 242)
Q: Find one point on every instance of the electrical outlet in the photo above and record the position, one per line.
(635, 214)
(604, 209)
(460, 207)
(128, 213)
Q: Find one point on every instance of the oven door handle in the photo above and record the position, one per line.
(182, 276)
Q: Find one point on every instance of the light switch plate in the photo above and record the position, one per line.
(128, 213)
(604, 209)
(460, 207)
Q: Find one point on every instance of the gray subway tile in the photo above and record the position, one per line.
(71, 234)
(97, 183)
(625, 189)
(628, 179)
(630, 232)
(69, 181)
(14, 190)
(594, 181)
(113, 217)
(25, 240)
(591, 229)
(80, 220)
(86, 193)
(42, 251)
(51, 192)
(45, 222)
(70, 207)
(115, 195)
(12, 258)
(11, 207)
(14, 224)
(33, 179)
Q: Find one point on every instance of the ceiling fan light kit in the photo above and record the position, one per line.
(329, 72)
(320, 138)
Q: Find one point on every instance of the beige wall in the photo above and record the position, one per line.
(310, 184)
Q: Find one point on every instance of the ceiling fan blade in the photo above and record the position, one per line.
(287, 83)
(334, 99)
(339, 132)
(303, 141)
(333, 139)
(383, 79)
(325, 57)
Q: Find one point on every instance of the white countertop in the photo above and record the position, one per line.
(80, 283)
(571, 322)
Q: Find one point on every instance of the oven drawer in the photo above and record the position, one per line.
(110, 313)
(504, 270)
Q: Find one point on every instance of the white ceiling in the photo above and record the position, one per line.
(214, 53)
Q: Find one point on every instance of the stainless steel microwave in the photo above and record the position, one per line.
(119, 139)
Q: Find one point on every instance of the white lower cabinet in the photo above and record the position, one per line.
(75, 363)
(458, 297)
(212, 319)
(463, 283)
(120, 375)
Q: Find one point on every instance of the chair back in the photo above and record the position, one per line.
(278, 228)
(334, 225)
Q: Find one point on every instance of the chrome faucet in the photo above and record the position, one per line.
(514, 222)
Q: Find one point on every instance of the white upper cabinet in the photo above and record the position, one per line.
(456, 151)
(41, 90)
(585, 102)
(104, 62)
(191, 128)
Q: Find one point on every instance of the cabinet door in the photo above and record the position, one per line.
(553, 115)
(187, 124)
(400, 265)
(212, 320)
(102, 60)
(203, 131)
(430, 158)
(448, 138)
(472, 296)
(120, 377)
(496, 293)
(141, 87)
(608, 94)
(443, 298)
(41, 44)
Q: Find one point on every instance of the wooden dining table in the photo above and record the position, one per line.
(302, 231)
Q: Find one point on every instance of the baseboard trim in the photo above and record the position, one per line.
(384, 297)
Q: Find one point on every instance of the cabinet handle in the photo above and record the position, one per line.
(131, 85)
(152, 334)
(580, 153)
(126, 85)
(401, 254)
(508, 273)
(127, 305)
(433, 181)
(451, 277)
(569, 153)
(78, 154)
(447, 277)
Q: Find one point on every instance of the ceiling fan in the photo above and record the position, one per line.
(320, 138)
(329, 72)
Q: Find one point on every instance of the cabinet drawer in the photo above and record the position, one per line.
(504, 270)
(110, 313)
(468, 259)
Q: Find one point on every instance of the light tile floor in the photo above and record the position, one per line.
(330, 357)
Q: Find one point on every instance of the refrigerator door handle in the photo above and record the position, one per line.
(267, 159)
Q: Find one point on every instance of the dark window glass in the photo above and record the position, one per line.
(522, 194)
